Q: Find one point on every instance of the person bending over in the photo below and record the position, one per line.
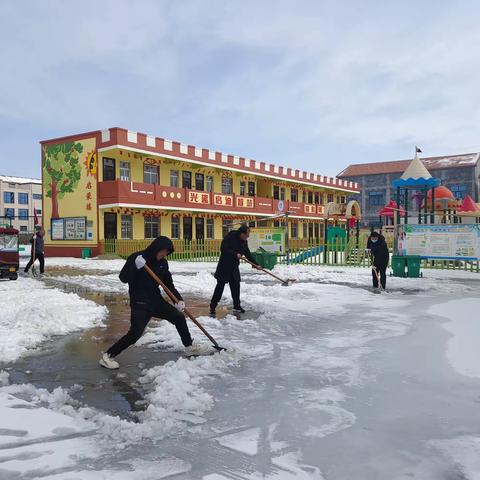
(146, 300)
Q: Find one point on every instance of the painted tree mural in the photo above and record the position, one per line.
(61, 171)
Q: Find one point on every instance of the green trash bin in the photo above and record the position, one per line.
(413, 266)
(398, 265)
(86, 252)
(265, 259)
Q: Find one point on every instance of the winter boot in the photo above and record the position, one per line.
(212, 312)
(238, 309)
(108, 362)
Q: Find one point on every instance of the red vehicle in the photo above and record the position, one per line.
(9, 257)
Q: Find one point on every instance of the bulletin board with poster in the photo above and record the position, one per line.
(69, 228)
(270, 239)
(443, 242)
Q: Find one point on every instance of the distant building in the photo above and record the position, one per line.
(18, 197)
(460, 173)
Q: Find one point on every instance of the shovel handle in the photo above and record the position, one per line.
(175, 300)
(264, 270)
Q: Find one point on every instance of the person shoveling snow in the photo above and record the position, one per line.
(380, 255)
(146, 301)
(234, 247)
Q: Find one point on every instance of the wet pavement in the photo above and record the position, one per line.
(398, 393)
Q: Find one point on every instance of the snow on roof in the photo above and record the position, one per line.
(9, 179)
(398, 166)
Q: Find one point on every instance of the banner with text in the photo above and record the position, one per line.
(445, 242)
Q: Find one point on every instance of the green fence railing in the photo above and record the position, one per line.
(301, 252)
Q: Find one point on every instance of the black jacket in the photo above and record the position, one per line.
(142, 288)
(227, 268)
(379, 251)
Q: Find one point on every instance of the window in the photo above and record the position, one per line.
(199, 182)
(276, 192)
(459, 191)
(310, 197)
(186, 179)
(127, 227)
(23, 228)
(23, 213)
(251, 189)
(376, 199)
(125, 171)
(282, 193)
(151, 174)
(175, 227)
(210, 228)
(36, 196)
(108, 169)
(343, 199)
(8, 197)
(320, 200)
(152, 226)
(174, 178)
(330, 197)
(294, 230)
(187, 228)
(304, 196)
(209, 183)
(243, 186)
(316, 200)
(226, 224)
(110, 225)
(251, 224)
(305, 234)
(199, 228)
(294, 195)
(10, 212)
(227, 185)
(276, 224)
(39, 211)
(316, 228)
(23, 198)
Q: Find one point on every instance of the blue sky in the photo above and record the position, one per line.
(312, 84)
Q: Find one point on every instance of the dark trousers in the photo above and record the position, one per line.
(234, 289)
(139, 318)
(41, 259)
(383, 277)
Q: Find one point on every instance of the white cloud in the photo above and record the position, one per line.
(293, 83)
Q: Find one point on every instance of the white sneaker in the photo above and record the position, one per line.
(197, 349)
(108, 362)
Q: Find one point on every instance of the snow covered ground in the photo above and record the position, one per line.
(310, 373)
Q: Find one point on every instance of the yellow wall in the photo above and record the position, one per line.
(82, 201)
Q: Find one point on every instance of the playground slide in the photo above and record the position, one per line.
(307, 254)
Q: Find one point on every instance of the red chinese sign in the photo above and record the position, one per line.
(320, 209)
(199, 198)
(310, 208)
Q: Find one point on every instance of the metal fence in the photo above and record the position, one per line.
(351, 253)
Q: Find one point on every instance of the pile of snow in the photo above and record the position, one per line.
(30, 313)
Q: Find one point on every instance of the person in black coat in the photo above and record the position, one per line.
(146, 300)
(38, 251)
(233, 247)
(380, 256)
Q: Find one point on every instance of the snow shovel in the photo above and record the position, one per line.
(285, 283)
(377, 274)
(186, 311)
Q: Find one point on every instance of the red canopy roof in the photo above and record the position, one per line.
(390, 209)
(469, 206)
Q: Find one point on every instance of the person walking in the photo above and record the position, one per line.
(38, 251)
(146, 301)
(380, 257)
(233, 247)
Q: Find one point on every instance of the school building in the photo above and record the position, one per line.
(120, 184)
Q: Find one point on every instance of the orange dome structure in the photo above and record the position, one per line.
(441, 193)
